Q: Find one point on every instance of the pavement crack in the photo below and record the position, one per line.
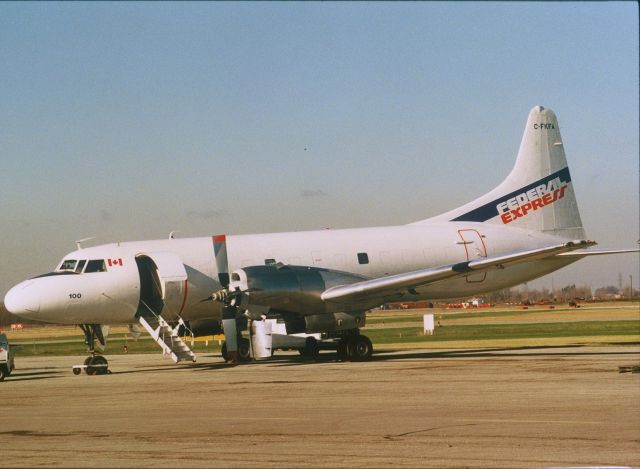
(629, 369)
(32, 433)
(401, 435)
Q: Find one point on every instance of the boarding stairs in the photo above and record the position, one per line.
(167, 337)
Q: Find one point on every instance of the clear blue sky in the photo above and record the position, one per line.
(129, 120)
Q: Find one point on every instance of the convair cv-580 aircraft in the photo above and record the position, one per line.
(322, 281)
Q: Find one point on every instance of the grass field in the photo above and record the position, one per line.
(590, 324)
(74, 345)
(586, 312)
(509, 331)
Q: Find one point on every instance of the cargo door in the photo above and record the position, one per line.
(474, 248)
(163, 284)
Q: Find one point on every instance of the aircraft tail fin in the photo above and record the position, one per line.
(538, 193)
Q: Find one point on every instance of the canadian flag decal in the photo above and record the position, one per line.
(113, 262)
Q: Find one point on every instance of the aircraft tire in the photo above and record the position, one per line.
(311, 348)
(102, 368)
(96, 365)
(88, 369)
(3, 372)
(343, 349)
(359, 348)
(244, 350)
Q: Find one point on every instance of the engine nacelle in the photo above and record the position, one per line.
(289, 288)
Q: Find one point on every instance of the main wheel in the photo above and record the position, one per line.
(342, 350)
(244, 350)
(359, 348)
(311, 348)
(223, 351)
(3, 372)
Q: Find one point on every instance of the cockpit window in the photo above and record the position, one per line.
(80, 265)
(95, 266)
(68, 264)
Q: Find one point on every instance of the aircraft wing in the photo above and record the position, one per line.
(392, 284)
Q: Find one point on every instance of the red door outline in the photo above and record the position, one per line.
(474, 248)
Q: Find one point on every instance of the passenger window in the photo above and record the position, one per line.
(68, 264)
(95, 266)
(363, 258)
(80, 266)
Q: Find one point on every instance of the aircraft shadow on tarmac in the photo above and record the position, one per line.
(528, 351)
(399, 355)
(381, 356)
(172, 369)
(34, 375)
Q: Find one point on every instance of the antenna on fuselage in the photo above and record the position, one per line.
(80, 241)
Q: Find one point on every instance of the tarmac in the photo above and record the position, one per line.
(490, 407)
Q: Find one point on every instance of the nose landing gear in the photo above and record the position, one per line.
(94, 364)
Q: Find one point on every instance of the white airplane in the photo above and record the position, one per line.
(322, 281)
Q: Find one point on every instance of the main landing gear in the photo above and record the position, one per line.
(93, 364)
(244, 350)
(311, 348)
(355, 347)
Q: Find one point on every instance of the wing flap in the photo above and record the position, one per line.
(384, 286)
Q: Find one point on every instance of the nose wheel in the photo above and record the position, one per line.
(93, 364)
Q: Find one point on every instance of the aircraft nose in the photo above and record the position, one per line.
(23, 299)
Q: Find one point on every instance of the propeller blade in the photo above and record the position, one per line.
(230, 330)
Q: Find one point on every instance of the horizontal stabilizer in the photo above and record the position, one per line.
(581, 254)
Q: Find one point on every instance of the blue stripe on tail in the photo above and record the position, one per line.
(490, 210)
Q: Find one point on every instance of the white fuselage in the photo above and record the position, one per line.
(113, 295)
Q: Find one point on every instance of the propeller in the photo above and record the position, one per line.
(230, 301)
